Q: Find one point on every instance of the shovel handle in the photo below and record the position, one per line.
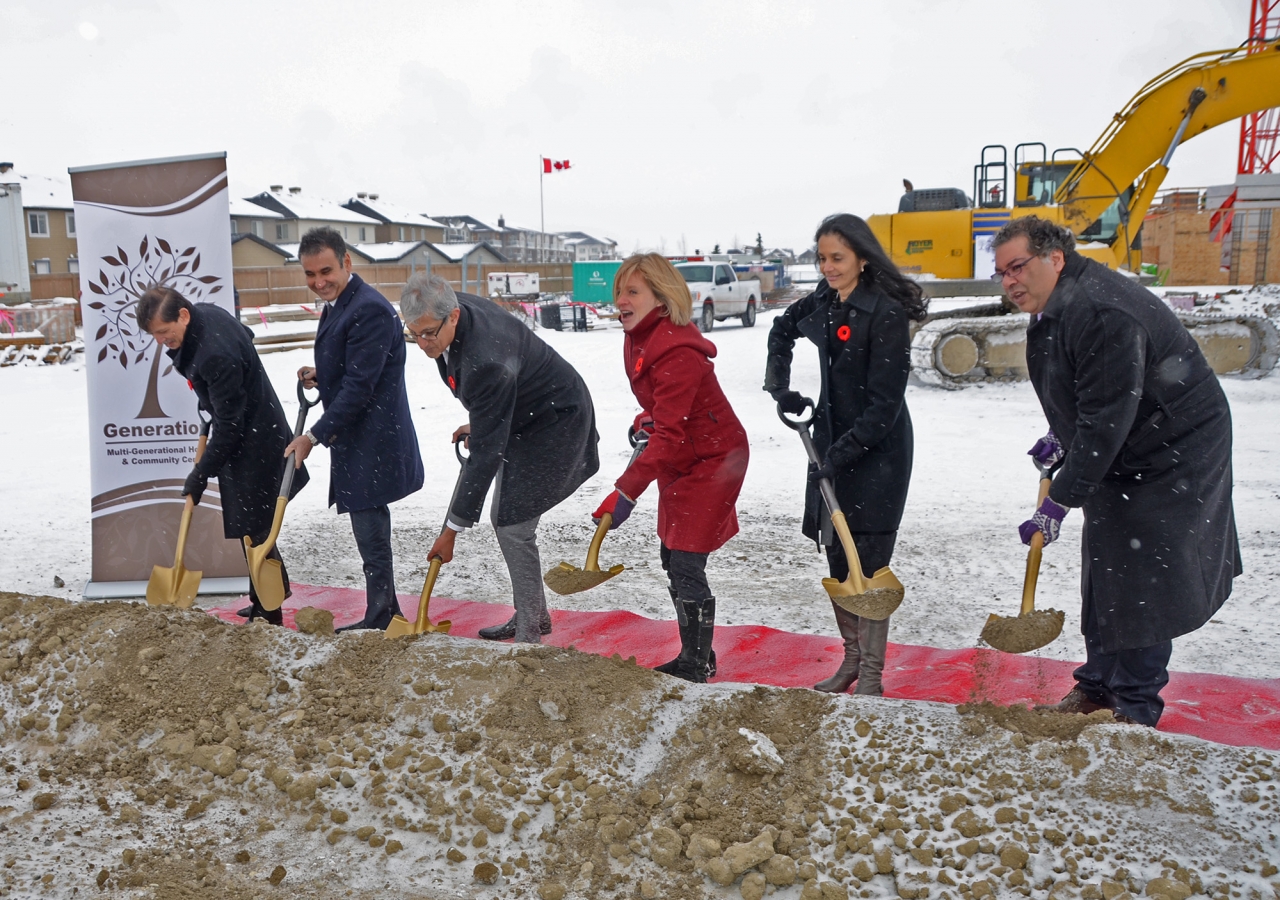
(1033, 556)
(593, 552)
(183, 527)
(856, 579)
(423, 619)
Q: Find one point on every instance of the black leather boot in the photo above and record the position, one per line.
(694, 663)
(847, 674)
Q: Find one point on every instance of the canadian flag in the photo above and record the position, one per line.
(554, 165)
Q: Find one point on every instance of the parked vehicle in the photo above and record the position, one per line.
(717, 292)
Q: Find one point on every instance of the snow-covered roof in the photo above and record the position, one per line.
(241, 207)
(389, 251)
(458, 221)
(455, 252)
(396, 215)
(41, 191)
(292, 250)
(304, 206)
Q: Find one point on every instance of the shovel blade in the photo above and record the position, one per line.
(402, 627)
(881, 595)
(1024, 633)
(569, 579)
(268, 581)
(173, 586)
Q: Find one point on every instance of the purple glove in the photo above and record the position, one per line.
(1047, 451)
(618, 505)
(1047, 520)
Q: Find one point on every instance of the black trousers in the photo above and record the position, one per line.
(1128, 681)
(687, 574)
(372, 531)
(875, 549)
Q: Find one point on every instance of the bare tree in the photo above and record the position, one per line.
(120, 283)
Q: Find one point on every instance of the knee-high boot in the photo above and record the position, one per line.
(686, 642)
(694, 662)
(873, 636)
(847, 674)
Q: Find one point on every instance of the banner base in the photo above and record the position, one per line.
(119, 590)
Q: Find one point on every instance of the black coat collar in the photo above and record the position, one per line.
(1073, 267)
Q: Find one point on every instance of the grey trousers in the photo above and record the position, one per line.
(519, 546)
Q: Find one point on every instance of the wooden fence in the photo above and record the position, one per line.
(275, 285)
(46, 287)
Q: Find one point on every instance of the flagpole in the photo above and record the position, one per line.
(542, 211)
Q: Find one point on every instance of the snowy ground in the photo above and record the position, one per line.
(958, 552)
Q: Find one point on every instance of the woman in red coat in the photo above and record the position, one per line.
(697, 449)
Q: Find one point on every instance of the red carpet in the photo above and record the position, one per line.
(1237, 711)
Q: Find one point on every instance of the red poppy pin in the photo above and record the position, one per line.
(453, 385)
(843, 332)
(190, 386)
(639, 363)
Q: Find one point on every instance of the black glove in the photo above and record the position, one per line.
(826, 470)
(194, 486)
(793, 403)
(844, 452)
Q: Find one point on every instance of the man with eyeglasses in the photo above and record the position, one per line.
(1140, 437)
(531, 431)
(373, 448)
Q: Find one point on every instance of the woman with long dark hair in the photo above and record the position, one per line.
(859, 320)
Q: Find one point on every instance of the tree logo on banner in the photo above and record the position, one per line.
(121, 283)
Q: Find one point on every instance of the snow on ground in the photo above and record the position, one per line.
(958, 552)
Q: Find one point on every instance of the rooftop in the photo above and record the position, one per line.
(296, 204)
(393, 214)
(40, 191)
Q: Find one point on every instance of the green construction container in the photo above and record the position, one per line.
(593, 281)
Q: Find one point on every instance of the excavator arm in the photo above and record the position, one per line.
(1199, 93)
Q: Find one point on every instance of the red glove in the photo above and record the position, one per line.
(618, 505)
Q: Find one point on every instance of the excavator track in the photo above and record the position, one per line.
(955, 353)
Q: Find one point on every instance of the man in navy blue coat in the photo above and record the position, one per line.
(374, 460)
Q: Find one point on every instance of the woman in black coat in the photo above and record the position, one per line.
(858, 319)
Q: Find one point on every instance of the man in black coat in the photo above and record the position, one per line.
(1142, 432)
(531, 428)
(215, 353)
(373, 448)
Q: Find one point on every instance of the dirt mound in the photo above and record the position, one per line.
(162, 753)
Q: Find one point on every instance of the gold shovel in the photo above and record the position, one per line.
(268, 580)
(567, 578)
(873, 598)
(178, 586)
(400, 626)
(1032, 628)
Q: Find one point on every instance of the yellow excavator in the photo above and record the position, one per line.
(1102, 195)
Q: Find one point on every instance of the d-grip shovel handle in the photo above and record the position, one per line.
(304, 405)
(801, 426)
(1037, 546)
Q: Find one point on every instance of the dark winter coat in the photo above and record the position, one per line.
(864, 350)
(373, 448)
(698, 451)
(1148, 436)
(249, 430)
(529, 410)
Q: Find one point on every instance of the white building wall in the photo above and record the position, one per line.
(13, 241)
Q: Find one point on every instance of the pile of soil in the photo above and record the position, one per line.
(162, 753)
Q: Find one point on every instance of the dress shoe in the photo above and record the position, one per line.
(244, 612)
(1076, 702)
(362, 625)
(507, 630)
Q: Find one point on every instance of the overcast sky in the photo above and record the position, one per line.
(700, 122)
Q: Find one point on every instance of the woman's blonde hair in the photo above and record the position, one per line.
(663, 279)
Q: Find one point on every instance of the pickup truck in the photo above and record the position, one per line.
(718, 294)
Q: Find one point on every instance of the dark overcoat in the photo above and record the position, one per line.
(249, 430)
(864, 350)
(1147, 432)
(360, 352)
(530, 412)
(698, 452)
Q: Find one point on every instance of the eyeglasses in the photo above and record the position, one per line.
(1013, 270)
(426, 334)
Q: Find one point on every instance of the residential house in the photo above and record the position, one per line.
(397, 223)
(358, 254)
(250, 218)
(248, 250)
(414, 254)
(585, 248)
(49, 219)
(523, 245)
(15, 274)
(301, 212)
(481, 252)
